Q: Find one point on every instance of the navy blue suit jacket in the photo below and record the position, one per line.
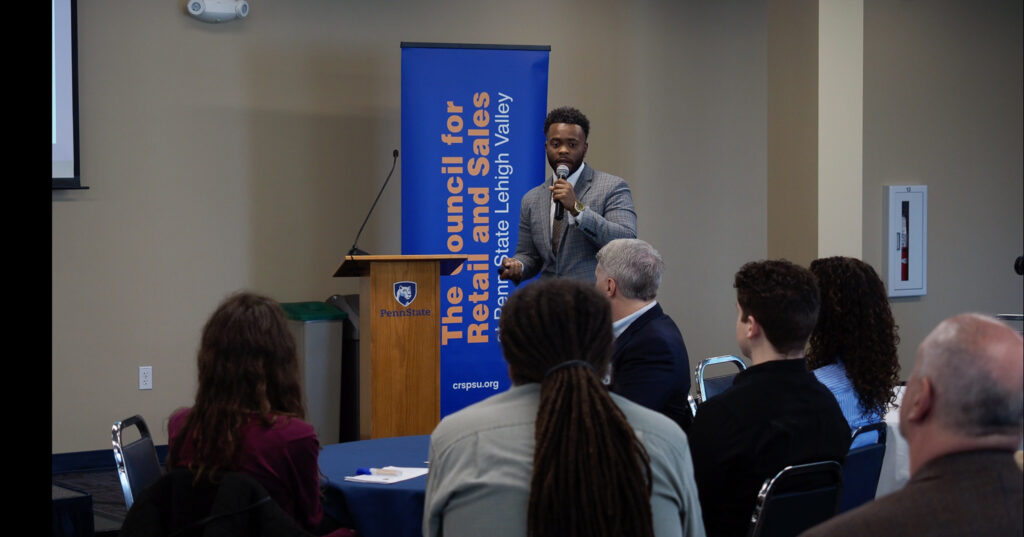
(650, 366)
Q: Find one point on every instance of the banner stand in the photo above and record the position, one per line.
(472, 145)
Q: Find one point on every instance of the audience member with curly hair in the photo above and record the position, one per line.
(853, 346)
(248, 412)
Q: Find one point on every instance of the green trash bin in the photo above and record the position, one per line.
(317, 328)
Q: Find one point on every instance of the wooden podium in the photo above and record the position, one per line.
(400, 369)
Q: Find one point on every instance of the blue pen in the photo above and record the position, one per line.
(378, 471)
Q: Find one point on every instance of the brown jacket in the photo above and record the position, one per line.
(969, 493)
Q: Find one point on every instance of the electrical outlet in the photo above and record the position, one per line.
(146, 377)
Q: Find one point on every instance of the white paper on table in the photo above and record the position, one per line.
(406, 473)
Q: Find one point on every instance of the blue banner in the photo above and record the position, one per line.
(472, 145)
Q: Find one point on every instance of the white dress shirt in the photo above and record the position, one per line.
(569, 218)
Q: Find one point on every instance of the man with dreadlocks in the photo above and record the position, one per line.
(557, 454)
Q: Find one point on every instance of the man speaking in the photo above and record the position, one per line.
(564, 222)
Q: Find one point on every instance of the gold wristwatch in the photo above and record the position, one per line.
(579, 207)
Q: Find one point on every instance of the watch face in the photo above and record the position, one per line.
(580, 206)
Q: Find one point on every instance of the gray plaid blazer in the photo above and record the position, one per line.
(609, 215)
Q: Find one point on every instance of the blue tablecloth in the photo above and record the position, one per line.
(394, 510)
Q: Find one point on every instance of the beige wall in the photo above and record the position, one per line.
(792, 86)
(244, 155)
(840, 126)
(943, 101)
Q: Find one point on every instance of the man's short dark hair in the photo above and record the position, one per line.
(784, 299)
(569, 115)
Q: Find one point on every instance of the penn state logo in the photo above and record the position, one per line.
(405, 293)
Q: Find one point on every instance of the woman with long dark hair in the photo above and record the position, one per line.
(248, 412)
(853, 346)
(557, 454)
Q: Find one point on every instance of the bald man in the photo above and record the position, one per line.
(962, 415)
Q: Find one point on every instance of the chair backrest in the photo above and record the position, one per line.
(137, 463)
(710, 386)
(230, 504)
(862, 467)
(692, 404)
(796, 499)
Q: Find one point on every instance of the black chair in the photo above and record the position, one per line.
(708, 386)
(796, 499)
(862, 467)
(232, 504)
(692, 403)
(137, 463)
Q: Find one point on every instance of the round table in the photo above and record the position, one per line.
(392, 510)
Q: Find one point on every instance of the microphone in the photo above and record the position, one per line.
(357, 251)
(562, 171)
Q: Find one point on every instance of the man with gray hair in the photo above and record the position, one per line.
(962, 415)
(649, 365)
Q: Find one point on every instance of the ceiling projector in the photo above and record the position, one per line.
(218, 10)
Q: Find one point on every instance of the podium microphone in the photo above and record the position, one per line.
(357, 251)
(562, 171)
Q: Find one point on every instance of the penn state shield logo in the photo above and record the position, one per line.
(405, 293)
